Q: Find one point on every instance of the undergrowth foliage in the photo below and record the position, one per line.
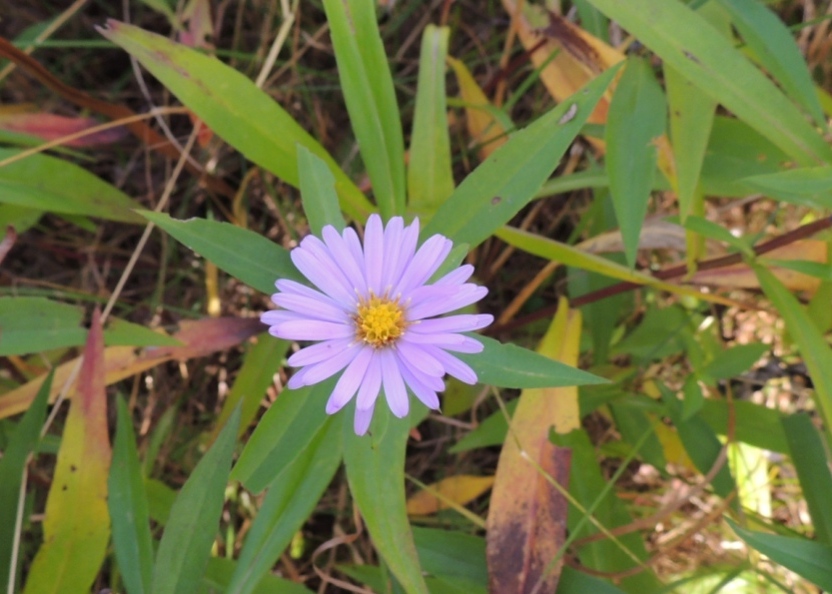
(635, 193)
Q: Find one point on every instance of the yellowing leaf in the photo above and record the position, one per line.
(483, 127)
(457, 490)
(527, 514)
(76, 527)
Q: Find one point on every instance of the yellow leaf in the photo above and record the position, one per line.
(457, 490)
(483, 128)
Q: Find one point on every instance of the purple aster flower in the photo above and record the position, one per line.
(373, 315)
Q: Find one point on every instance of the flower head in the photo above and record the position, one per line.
(373, 315)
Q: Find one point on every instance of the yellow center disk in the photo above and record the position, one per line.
(379, 321)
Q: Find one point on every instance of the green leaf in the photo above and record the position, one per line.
(810, 342)
(687, 42)
(317, 190)
(243, 254)
(47, 183)
(511, 176)
(808, 559)
(490, 432)
(635, 120)
(774, 47)
(449, 553)
(574, 581)
(288, 426)
(15, 456)
(186, 543)
(816, 269)
(808, 454)
(751, 423)
(129, 513)
(700, 442)
(734, 361)
(511, 366)
(367, 84)
(429, 177)
(290, 499)
(691, 119)
(809, 186)
(233, 107)
(735, 152)
(375, 471)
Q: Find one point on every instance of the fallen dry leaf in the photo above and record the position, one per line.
(459, 490)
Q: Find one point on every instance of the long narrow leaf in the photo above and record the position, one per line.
(429, 177)
(635, 120)
(367, 84)
(186, 544)
(375, 471)
(129, 510)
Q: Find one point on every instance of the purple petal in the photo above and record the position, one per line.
(318, 352)
(419, 358)
(374, 253)
(350, 380)
(469, 345)
(279, 316)
(440, 339)
(313, 307)
(454, 366)
(434, 383)
(456, 276)
(344, 257)
(462, 297)
(407, 248)
(420, 390)
(429, 257)
(362, 420)
(460, 323)
(312, 374)
(322, 275)
(370, 386)
(285, 285)
(392, 247)
(312, 330)
(394, 389)
(357, 253)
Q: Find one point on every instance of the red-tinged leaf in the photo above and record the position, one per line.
(527, 514)
(49, 126)
(198, 338)
(198, 33)
(76, 526)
